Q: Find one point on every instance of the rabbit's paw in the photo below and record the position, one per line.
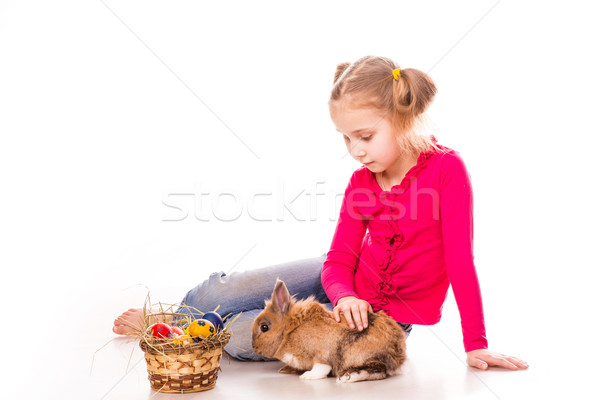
(318, 371)
(357, 376)
(286, 369)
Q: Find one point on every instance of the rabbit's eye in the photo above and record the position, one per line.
(264, 327)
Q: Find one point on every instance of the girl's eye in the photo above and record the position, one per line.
(365, 138)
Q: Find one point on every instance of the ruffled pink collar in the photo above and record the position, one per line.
(421, 163)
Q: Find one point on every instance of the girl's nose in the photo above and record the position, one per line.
(357, 151)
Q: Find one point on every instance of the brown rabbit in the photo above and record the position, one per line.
(305, 336)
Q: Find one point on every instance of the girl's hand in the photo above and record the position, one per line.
(355, 310)
(482, 358)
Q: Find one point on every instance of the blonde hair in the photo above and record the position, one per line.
(369, 82)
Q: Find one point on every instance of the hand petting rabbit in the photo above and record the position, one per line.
(305, 336)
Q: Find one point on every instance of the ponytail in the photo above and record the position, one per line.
(340, 70)
(413, 92)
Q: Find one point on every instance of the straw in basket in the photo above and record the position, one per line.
(185, 367)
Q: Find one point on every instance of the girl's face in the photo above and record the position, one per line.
(370, 138)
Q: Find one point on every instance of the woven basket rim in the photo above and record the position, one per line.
(169, 347)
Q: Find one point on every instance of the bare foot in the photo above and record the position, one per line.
(129, 322)
(132, 320)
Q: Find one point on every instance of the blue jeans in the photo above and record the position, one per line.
(247, 291)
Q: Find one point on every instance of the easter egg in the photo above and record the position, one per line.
(161, 330)
(201, 327)
(177, 330)
(215, 319)
(182, 340)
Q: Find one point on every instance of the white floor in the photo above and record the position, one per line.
(560, 356)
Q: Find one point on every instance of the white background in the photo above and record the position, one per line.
(110, 109)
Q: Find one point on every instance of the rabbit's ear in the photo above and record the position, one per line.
(280, 299)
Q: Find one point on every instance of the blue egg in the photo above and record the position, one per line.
(215, 318)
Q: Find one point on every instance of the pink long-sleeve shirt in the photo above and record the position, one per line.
(401, 249)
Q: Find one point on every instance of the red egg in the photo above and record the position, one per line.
(161, 330)
(177, 330)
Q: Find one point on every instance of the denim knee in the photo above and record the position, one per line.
(407, 328)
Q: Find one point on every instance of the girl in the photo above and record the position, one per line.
(405, 230)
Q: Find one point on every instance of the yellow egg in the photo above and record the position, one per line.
(201, 327)
(182, 339)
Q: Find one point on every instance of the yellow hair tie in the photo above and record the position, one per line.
(396, 73)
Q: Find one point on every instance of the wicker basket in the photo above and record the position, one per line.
(186, 368)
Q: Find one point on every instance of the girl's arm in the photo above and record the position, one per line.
(456, 203)
(339, 267)
(456, 209)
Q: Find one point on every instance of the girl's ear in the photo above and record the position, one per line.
(280, 299)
